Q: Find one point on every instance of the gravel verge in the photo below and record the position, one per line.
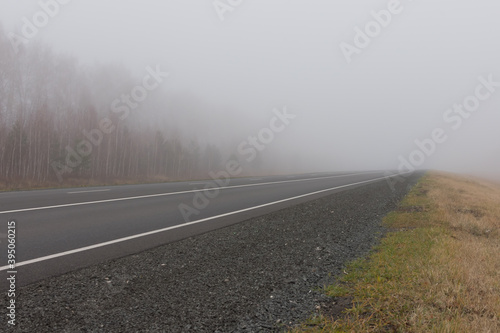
(261, 275)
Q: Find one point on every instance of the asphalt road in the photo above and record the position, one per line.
(65, 229)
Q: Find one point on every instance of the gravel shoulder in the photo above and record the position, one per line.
(264, 274)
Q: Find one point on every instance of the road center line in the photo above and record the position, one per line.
(169, 194)
(86, 248)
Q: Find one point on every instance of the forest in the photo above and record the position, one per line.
(66, 123)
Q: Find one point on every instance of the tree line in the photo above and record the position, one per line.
(52, 112)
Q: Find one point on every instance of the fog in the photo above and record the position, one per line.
(359, 102)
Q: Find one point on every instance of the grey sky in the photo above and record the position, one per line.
(272, 53)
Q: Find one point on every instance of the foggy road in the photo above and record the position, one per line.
(64, 229)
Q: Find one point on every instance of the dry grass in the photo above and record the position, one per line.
(21, 185)
(438, 272)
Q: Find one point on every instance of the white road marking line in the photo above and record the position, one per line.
(168, 194)
(86, 248)
(89, 191)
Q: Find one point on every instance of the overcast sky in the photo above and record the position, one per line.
(365, 113)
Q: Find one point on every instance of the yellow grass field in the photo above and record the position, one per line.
(438, 270)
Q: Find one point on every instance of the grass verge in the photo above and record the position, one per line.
(437, 270)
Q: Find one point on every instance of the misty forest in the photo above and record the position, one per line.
(53, 112)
